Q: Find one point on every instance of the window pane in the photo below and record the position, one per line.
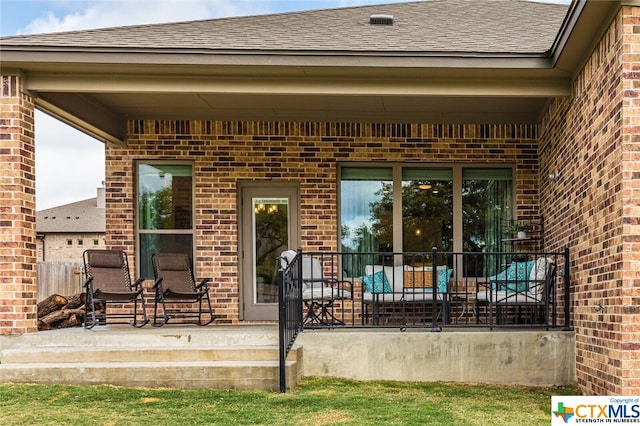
(427, 209)
(271, 237)
(486, 203)
(162, 243)
(165, 196)
(366, 209)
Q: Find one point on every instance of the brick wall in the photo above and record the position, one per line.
(224, 153)
(18, 289)
(630, 197)
(631, 201)
(591, 142)
(56, 247)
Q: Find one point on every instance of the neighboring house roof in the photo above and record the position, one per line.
(80, 217)
(436, 26)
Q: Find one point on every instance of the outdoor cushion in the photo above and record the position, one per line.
(444, 274)
(376, 283)
(407, 296)
(513, 279)
(420, 296)
(539, 275)
(392, 279)
(324, 293)
(394, 275)
(397, 280)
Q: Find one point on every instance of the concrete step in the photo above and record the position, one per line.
(178, 357)
(166, 336)
(245, 375)
(79, 354)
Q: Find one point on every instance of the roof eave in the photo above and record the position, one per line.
(29, 58)
(584, 25)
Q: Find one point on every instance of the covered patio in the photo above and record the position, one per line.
(542, 115)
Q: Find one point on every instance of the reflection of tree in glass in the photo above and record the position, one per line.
(271, 239)
(169, 207)
(474, 211)
(427, 216)
(156, 207)
(482, 217)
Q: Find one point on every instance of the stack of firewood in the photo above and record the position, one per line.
(61, 312)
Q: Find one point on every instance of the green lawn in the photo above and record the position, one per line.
(314, 402)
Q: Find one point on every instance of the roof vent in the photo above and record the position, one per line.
(381, 19)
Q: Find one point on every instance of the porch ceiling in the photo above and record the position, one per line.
(102, 101)
(318, 107)
(428, 98)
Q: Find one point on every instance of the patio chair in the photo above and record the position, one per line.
(109, 281)
(175, 285)
(523, 287)
(319, 293)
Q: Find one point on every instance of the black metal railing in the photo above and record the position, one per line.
(422, 289)
(289, 309)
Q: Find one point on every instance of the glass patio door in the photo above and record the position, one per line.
(269, 225)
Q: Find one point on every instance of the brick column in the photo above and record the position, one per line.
(18, 287)
(629, 312)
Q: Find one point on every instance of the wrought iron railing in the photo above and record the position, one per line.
(289, 309)
(422, 289)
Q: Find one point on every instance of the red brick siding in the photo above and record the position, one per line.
(630, 197)
(18, 289)
(224, 153)
(591, 141)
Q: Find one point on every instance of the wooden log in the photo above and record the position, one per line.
(60, 315)
(73, 321)
(74, 301)
(43, 326)
(50, 304)
(55, 316)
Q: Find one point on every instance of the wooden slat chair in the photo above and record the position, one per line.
(109, 281)
(175, 285)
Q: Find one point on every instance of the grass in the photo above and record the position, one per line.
(314, 402)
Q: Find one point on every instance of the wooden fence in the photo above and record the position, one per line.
(63, 278)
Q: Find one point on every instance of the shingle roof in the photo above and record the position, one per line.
(79, 217)
(438, 26)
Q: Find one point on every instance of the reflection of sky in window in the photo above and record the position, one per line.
(355, 199)
(156, 177)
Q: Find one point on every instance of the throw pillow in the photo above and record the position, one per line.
(443, 279)
(376, 283)
(513, 279)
